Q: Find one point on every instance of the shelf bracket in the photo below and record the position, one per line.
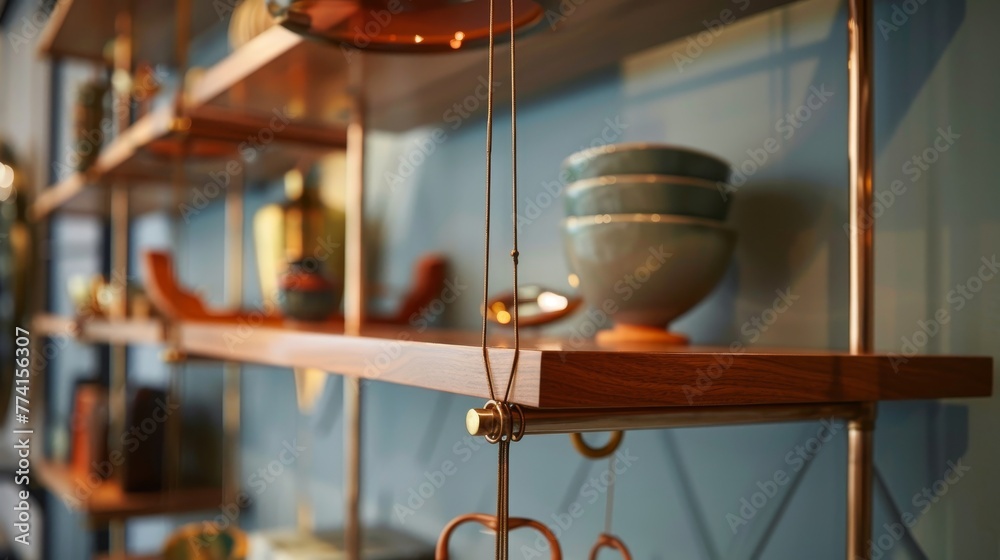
(486, 421)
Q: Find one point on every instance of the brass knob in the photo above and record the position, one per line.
(480, 421)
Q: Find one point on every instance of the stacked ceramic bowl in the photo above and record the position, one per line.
(645, 233)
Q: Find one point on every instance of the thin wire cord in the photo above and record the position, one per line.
(489, 181)
(609, 505)
(513, 163)
(503, 500)
(502, 544)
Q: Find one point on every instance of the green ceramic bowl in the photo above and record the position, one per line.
(641, 159)
(647, 269)
(647, 194)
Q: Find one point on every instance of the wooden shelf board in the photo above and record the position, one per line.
(403, 91)
(82, 28)
(107, 500)
(45, 324)
(130, 557)
(558, 374)
(99, 329)
(144, 157)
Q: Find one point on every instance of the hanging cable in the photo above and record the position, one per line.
(489, 182)
(509, 430)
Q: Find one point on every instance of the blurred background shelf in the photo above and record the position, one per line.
(554, 373)
(82, 28)
(106, 500)
(279, 72)
(402, 92)
(211, 145)
(99, 329)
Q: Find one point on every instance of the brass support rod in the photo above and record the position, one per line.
(354, 250)
(182, 40)
(122, 63)
(118, 279)
(861, 158)
(231, 370)
(118, 376)
(481, 422)
(116, 539)
(352, 467)
(354, 307)
(860, 470)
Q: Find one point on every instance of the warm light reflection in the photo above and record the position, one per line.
(549, 301)
(503, 317)
(456, 44)
(6, 181)
(573, 280)
(418, 39)
(459, 36)
(498, 306)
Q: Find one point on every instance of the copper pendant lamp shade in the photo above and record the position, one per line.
(405, 25)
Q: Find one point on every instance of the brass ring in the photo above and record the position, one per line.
(598, 452)
(518, 429)
(505, 428)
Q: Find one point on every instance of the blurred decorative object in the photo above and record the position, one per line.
(428, 282)
(645, 270)
(200, 458)
(16, 258)
(390, 25)
(536, 306)
(206, 541)
(249, 19)
(309, 384)
(88, 123)
(170, 299)
(111, 299)
(89, 428)
(304, 230)
(143, 470)
(645, 234)
(82, 292)
(649, 194)
(490, 522)
(380, 543)
(95, 296)
(611, 542)
(307, 295)
(178, 304)
(145, 85)
(641, 159)
(139, 306)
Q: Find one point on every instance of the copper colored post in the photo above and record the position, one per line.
(861, 157)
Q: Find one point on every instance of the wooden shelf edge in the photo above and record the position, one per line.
(557, 374)
(243, 62)
(51, 198)
(213, 124)
(101, 330)
(106, 500)
(47, 42)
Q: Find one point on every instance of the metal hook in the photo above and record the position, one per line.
(490, 522)
(596, 452)
(610, 541)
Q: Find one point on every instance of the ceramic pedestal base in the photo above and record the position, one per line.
(638, 334)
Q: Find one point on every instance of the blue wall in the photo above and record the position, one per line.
(684, 489)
